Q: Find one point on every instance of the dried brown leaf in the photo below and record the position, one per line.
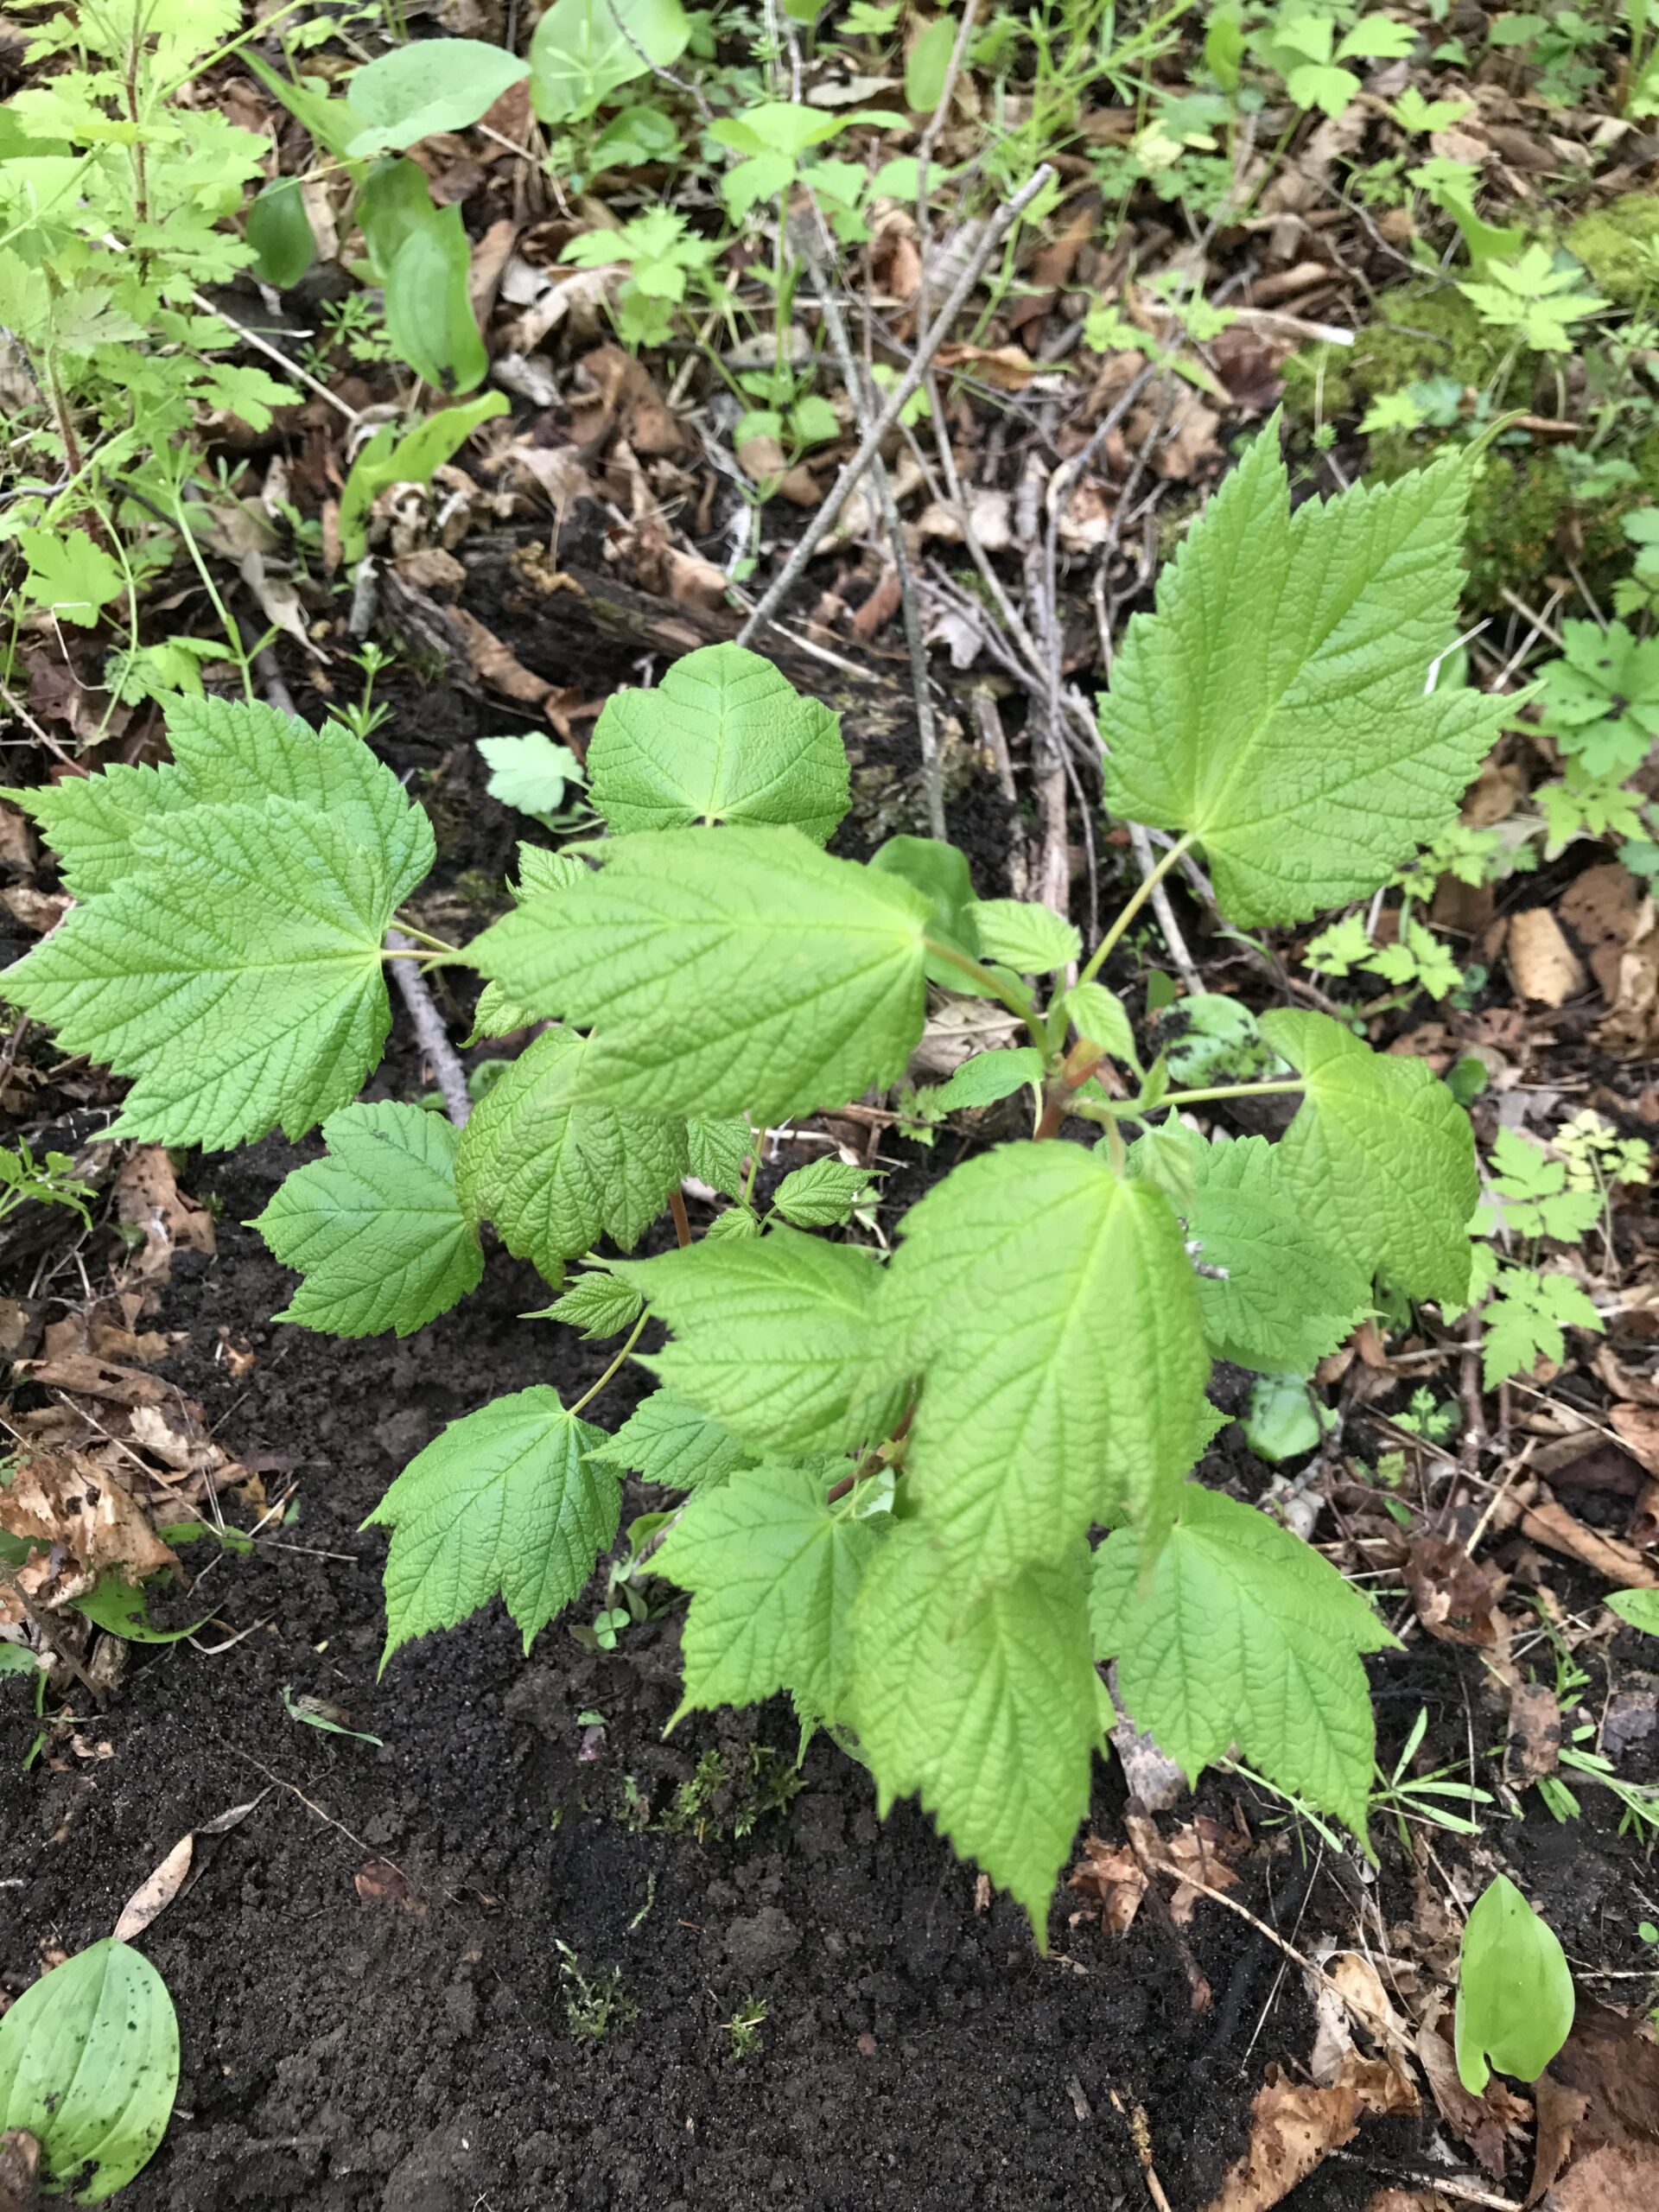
(1295, 2127)
(1544, 964)
(1455, 1598)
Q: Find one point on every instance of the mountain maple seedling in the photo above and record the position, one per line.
(893, 1470)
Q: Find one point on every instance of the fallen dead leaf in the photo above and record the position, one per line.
(84, 1374)
(148, 1197)
(1614, 2068)
(1482, 2122)
(1560, 2110)
(1551, 1525)
(1535, 1734)
(1114, 1877)
(1294, 2127)
(497, 665)
(1007, 368)
(1544, 965)
(378, 1882)
(628, 401)
(20, 2171)
(87, 1521)
(1638, 1428)
(990, 521)
(1632, 1028)
(170, 1880)
(1601, 908)
(1198, 1848)
(1455, 1598)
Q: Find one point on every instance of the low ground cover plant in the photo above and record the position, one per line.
(895, 1474)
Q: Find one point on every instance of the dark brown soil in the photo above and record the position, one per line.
(368, 1971)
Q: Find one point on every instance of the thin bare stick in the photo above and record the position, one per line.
(441, 1055)
(925, 146)
(921, 681)
(897, 399)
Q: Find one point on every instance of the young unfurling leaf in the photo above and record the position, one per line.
(1240, 1630)
(375, 1228)
(508, 1499)
(723, 737)
(696, 952)
(1275, 706)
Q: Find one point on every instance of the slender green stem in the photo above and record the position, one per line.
(1226, 1090)
(1102, 950)
(634, 1335)
(240, 652)
(425, 936)
(981, 974)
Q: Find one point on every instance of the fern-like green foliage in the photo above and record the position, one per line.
(895, 1458)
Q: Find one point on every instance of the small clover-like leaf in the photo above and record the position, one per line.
(376, 1228)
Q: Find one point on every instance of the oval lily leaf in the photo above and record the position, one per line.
(89, 2065)
(429, 317)
(1515, 1993)
(433, 83)
(279, 231)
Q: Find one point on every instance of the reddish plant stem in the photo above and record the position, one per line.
(1079, 1064)
(682, 1220)
(871, 1460)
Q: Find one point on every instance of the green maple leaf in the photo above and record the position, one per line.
(723, 737)
(1053, 1315)
(554, 1172)
(983, 1706)
(1523, 1322)
(728, 970)
(235, 975)
(225, 751)
(773, 1572)
(508, 1499)
(1380, 1154)
(69, 575)
(598, 1305)
(376, 1229)
(1274, 706)
(665, 1440)
(774, 1337)
(1288, 1295)
(1240, 1632)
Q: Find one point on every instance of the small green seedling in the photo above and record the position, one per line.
(1515, 1993)
(745, 2027)
(593, 2007)
(89, 2066)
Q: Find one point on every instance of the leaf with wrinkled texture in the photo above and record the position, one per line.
(728, 970)
(1054, 1316)
(1240, 1631)
(774, 1336)
(665, 1440)
(1274, 706)
(773, 1572)
(375, 1229)
(553, 1172)
(984, 1707)
(1381, 1155)
(1288, 1296)
(725, 737)
(235, 975)
(507, 1499)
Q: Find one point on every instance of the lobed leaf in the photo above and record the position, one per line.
(507, 1500)
(554, 1172)
(728, 970)
(1053, 1315)
(376, 1229)
(1288, 1295)
(774, 1573)
(1380, 1154)
(235, 975)
(1274, 705)
(1240, 1631)
(725, 737)
(983, 1706)
(665, 1440)
(775, 1336)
